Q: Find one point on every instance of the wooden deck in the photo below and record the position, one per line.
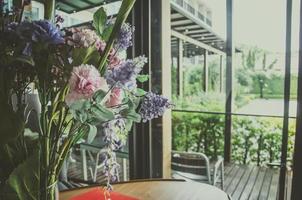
(246, 182)
(242, 182)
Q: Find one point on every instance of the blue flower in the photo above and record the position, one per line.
(47, 32)
(153, 106)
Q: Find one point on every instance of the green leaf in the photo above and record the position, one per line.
(142, 78)
(99, 20)
(129, 124)
(83, 116)
(92, 133)
(107, 32)
(26, 59)
(140, 92)
(88, 55)
(99, 96)
(132, 115)
(23, 182)
(121, 18)
(80, 105)
(102, 113)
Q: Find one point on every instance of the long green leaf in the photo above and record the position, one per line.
(23, 183)
(124, 11)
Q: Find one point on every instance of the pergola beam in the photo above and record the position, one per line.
(196, 42)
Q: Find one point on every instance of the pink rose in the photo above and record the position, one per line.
(85, 80)
(116, 98)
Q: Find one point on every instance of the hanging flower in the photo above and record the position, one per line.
(81, 38)
(153, 106)
(85, 80)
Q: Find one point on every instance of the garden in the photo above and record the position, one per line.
(198, 117)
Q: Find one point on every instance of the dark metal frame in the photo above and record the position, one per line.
(297, 166)
(282, 178)
(229, 79)
(145, 142)
(140, 138)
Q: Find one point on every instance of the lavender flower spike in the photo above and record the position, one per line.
(124, 40)
(153, 106)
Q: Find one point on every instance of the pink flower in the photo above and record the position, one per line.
(85, 80)
(116, 98)
(113, 62)
(113, 59)
(81, 38)
(100, 45)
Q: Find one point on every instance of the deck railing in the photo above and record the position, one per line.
(255, 139)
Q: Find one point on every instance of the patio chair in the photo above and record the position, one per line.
(197, 167)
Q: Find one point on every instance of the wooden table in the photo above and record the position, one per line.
(160, 190)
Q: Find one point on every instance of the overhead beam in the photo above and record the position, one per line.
(194, 19)
(69, 4)
(181, 22)
(190, 28)
(183, 25)
(196, 42)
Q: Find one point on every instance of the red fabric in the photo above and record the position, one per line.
(98, 194)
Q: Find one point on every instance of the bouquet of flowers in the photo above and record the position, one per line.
(83, 80)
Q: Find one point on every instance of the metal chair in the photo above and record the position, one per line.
(196, 167)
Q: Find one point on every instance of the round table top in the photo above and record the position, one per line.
(160, 190)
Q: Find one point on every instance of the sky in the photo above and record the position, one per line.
(257, 22)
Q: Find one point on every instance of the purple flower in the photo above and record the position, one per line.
(39, 31)
(153, 106)
(125, 37)
(47, 32)
(126, 72)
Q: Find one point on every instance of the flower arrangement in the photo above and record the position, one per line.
(82, 82)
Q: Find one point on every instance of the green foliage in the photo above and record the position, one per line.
(143, 78)
(11, 123)
(99, 21)
(23, 182)
(255, 140)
